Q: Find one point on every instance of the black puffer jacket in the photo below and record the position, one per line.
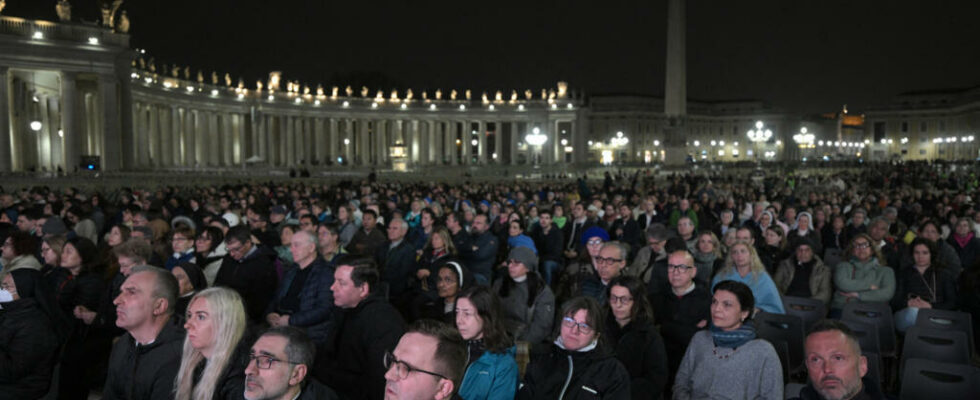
(145, 372)
(254, 278)
(28, 350)
(641, 350)
(570, 375)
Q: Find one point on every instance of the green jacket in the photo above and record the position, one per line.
(855, 276)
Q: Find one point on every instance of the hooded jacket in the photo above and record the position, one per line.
(589, 373)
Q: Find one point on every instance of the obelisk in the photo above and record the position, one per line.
(675, 87)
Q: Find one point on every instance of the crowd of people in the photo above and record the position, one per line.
(637, 285)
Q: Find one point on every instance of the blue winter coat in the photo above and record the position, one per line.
(493, 376)
(315, 300)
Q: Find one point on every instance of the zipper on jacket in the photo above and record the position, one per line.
(568, 380)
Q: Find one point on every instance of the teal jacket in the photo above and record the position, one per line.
(493, 376)
(855, 276)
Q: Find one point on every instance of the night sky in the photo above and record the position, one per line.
(806, 56)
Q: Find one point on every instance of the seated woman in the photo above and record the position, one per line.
(743, 265)
(51, 253)
(435, 252)
(805, 229)
(18, 252)
(585, 265)
(708, 257)
(209, 250)
(190, 281)
(182, 245)
(452, 278)
(924, 285)
(527, 301)
(635, 341)
(861, 277)
(965, 242)
(726, 360)
(772, 250)
(577, 365)
(804, 274)
(32, 329)
(492, 370)
(212, 365)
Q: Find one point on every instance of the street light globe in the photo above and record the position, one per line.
(758, 124)
(803, 130)
(536, 130)
(619, 134)
(36, 125)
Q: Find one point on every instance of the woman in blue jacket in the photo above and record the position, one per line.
(491, 370)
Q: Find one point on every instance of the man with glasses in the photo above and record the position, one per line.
(248, 268)
(609, 264)
(682, 310)
(278, 366)
(428, 363)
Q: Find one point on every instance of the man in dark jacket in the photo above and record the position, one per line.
(304, 298)
(682, 310)
(548, 240)
(836, 367)
(484, 250)
(572, 234)
(367, 328)
(397, 259)
(461, 239)
(144, 362)
(286, 379)
(248, 268)
(368, 239)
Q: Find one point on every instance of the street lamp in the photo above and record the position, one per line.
(804, 140)
(759, 135)
(536, 139)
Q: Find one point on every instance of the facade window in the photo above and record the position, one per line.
(905, 126)
(923, 126)
(922, 152)
(879, 131)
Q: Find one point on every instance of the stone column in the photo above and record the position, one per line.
(514, 138)
(412, 142)
(498, 143)
(112, 144)
(332, 138)
(481, 133)
(286, 141)
(363, 142)
(127, 131)
(228, 138)
(190, 138)
(451, 136)
(381, 128)
(166, 136)
(70, 122)
(214, 139)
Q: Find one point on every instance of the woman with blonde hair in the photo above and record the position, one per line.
(212, 366)
(743, 265)
(708, 256)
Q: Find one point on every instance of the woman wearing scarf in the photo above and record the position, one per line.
(965, 242)
(209, 248)
(578, 365)
(727, 360)
(708, 257)
(32, 328)
(804, 229)
(190, 281)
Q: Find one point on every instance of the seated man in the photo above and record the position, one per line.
(681, 311)
(368, 327)
(304, 298)
(609, 264)
(436, 352)
(278, 365)
(144, 362)
(248, 268)
(836, 367)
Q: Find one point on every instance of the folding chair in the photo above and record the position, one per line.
(874, 367)
(786, 328)
(867, 335)
(936, 345)
(793, 390)
(810, 310)
(948, 320)
(931, 380)
(878, 314)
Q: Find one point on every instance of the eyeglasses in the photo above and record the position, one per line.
(862, 245)
(595, 242)
(678, 267)
(402, 369)
(264, 361)
(604, 260)
(570, 323)
(620, 300)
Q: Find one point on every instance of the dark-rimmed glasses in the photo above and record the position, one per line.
(402, 369)
(263, 361)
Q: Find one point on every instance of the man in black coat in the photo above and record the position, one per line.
(572, 233)
(304, 298)
(681, 311)
(548, 239)
(144, 362)
(484, 250)
(367, 328)
(249, 269)
(288, 378)
(461, 239)
(397, 259)
(368, 239)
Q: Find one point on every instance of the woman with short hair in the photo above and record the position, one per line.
(209, 250)
(727, 360)
(861, 278)
(212, 365)
(18, 252)
(578, 365)
(491, 370)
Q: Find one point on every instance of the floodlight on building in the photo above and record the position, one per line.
(271, 97)
(432, 107)
(520, 107)
(656, 143)
(474, 142)
(404, 106)
(93, 40)
(38, 35)
(345, 104)
(697, 143)
(214, 92)
(564, 142)
(570, 106)
(316, 102)
(462, 107)
(36, 125)
(490, 107)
